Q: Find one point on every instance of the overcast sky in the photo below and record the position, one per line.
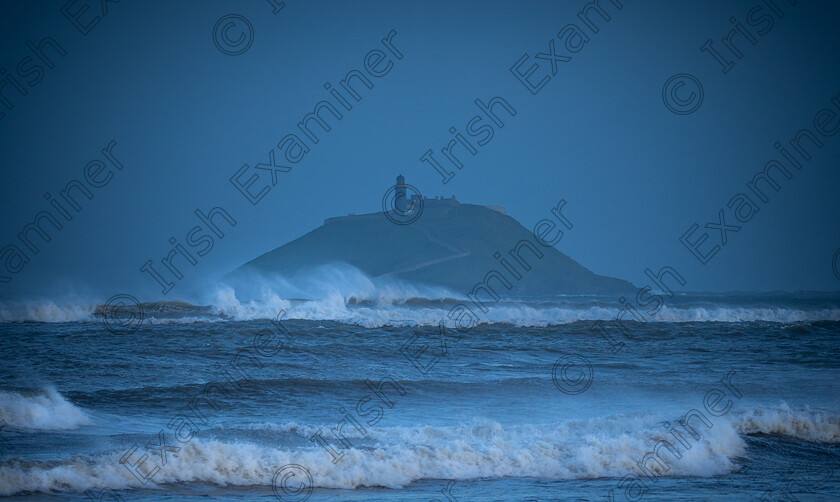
(636, 176)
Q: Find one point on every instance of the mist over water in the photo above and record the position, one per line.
(340, 292)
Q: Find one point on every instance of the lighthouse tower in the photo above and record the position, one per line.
(400, 202)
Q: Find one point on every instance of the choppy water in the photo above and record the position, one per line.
(532, 404)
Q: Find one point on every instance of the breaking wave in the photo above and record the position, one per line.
(817, 426)
(394, 457)
(46, 311)
(344, 294)
(411, 311)
(486, 451)
(44, 410)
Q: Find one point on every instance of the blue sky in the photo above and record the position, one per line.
(186, 117)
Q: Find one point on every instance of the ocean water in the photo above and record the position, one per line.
(720, 397)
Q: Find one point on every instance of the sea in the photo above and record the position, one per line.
(721, 397)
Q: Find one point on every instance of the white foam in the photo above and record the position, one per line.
(44, 410)
(582, 449)
(807, 425)
(337, 308)
(342, 293)
(399, 457)
(47, 311)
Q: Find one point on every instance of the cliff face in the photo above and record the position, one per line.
(450, 245)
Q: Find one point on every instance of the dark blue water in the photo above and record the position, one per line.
(533, 405)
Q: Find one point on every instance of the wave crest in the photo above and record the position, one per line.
(394, 457)
(817, 426)
(399, 457)
(44, 410)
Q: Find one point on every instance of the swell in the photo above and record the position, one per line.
(252, 394)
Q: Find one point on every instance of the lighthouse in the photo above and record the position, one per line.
(400, 202)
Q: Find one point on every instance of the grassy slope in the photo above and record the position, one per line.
(378, 247)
